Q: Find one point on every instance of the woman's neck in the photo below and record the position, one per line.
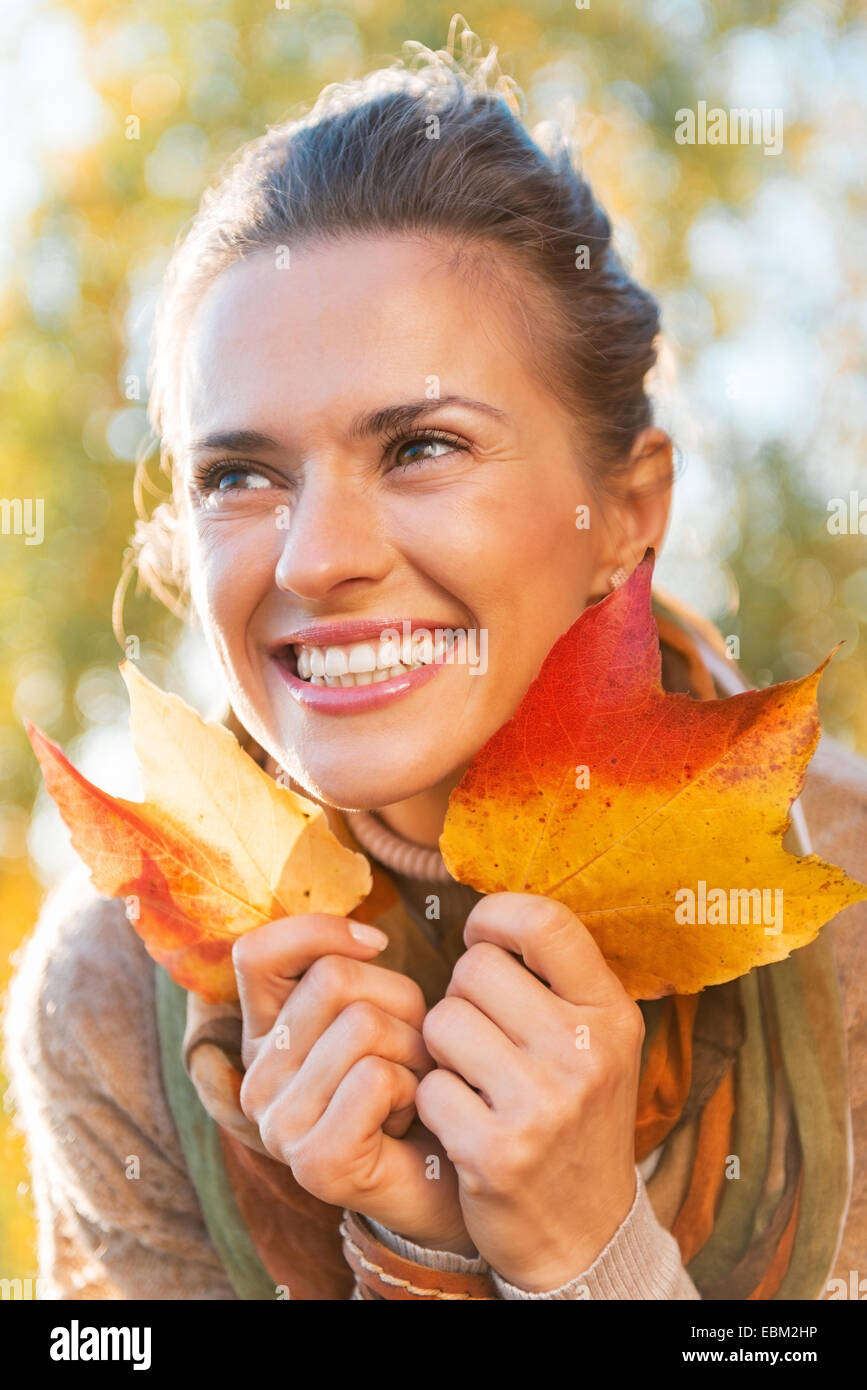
(421, 818)
(418, 819)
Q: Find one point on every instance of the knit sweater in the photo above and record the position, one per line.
(118, 1216)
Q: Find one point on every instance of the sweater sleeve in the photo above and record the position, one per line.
(641, 1261)
(117, 1215)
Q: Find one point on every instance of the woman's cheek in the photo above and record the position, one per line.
(228, 569)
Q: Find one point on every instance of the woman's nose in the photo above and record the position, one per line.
(331, 533)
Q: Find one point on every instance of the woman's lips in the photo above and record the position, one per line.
(326, 699)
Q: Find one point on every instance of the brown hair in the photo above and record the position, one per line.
(433, 146)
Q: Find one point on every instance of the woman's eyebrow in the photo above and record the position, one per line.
(395, 417)
(373, 422)
(234, 440)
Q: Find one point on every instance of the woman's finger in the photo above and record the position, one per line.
(492, 978)
(464, 1040)
(331, 985)
(399, 1121)
(553, 942)
(371, 1090)
(449, 1107)
(270, 959)
(360, 1030)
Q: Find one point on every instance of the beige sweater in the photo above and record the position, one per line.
(118, 1215)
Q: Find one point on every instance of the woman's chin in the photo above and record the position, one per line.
(355, 794)
(368, 798)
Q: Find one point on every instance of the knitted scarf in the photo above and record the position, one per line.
(743, 1095)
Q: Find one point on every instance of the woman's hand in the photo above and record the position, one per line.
(333, 1052)
(535, 1095)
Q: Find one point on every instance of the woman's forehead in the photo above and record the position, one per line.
(338, 326)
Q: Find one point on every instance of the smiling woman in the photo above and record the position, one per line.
(384, 398)
(396, 357)
(374, 504)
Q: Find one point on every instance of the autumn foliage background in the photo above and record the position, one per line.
(759, 263)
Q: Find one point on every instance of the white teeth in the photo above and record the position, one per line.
(422, 647)
(363, 659)
(360, 663)
(336, 662)
(417, 650)
(358, 678)
(388, 653)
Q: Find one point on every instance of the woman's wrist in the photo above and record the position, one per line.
(456, 1253)
(553, 1269)
(453, 1245)
(447, 1239)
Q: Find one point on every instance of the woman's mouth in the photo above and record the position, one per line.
(353, 676)
(365, 663)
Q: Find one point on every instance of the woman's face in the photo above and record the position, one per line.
(326, 514)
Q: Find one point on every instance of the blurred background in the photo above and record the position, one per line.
(759, 262)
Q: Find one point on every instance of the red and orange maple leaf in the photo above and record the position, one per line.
(640, 808)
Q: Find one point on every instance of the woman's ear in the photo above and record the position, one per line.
(635, 508)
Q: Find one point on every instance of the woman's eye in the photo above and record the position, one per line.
(216, 480)
(229, 480)
(415, 450)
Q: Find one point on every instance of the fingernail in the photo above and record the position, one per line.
(368, 936)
